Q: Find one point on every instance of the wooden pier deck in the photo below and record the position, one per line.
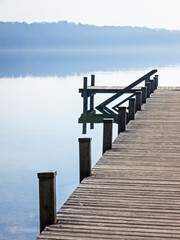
(134, 190)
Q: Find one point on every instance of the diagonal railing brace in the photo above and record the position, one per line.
(101, 106)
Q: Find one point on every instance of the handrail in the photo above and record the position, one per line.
(103, 106)
(125, 100)
(141, 94)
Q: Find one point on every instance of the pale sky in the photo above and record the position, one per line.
(148, 13)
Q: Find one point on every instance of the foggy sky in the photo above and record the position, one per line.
(148, 13)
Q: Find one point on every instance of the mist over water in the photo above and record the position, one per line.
(39, 110)
(63, 63)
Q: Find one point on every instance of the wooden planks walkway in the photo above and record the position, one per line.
(134, 190)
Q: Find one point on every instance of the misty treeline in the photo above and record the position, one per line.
(64, 35)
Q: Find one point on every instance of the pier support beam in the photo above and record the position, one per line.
(47, 199)
(122, 119)
(107, 134)
(84, 158)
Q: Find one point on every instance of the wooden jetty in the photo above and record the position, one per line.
(134, 189)
(89, 92)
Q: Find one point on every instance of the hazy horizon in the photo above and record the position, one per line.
(93, 25)
(140, 13)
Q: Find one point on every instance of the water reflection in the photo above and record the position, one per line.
(92, 119)
(68, 62)
(39, 127)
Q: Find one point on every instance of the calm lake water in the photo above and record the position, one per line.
(39, 110)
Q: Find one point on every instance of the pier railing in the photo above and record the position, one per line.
(136, 96)
(103, 106)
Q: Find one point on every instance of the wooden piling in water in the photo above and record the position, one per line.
(47, 199)
(107, 134)
(84, 158)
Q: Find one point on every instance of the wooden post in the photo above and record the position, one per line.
(152, 85)
(85, 96)
(92, 96)
(122, 119)
(138, 100)
(156, 81)
(132, 108)
(107, 134)
(147, 79)
(84, 158)
(148, 85)
(127, 117)
(144, 94)
(47, 198)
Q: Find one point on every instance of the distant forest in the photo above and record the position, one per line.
(64, 35)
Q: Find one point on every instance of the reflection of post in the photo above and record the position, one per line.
(91, 125)
(84, 158)
(85, 97)
(92, 97)
(47, 198)
(84, 128)
(107, 134)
